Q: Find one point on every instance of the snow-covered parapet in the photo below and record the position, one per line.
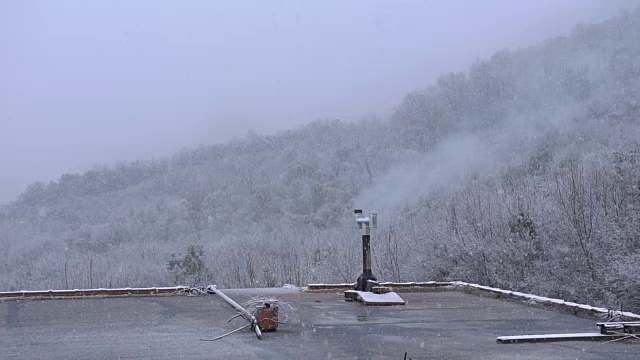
(394, 285)
(95, 292)
(546, 300)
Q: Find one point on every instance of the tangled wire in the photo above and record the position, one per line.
(286, 312)
(196, 291)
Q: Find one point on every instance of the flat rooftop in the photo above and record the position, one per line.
(436, 324)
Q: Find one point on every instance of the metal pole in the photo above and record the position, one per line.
(245, 314)
(367, 273)
(366, 254)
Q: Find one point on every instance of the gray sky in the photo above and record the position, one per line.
(94, 82)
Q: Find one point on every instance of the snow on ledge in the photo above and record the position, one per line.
(93, 292)
(549, 336)
(542, 299)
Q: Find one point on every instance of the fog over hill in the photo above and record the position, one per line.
(87, 83)
(520, 172)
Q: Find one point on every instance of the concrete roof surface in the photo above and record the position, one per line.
(432, 325)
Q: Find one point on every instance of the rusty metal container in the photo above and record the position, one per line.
(268, 317)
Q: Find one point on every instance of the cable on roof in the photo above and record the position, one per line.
(227, 334)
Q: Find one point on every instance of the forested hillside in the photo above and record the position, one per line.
(521, 173)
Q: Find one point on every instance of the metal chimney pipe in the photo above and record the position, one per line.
(367, 274)
(366, 254)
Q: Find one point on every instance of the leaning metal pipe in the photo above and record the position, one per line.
(245, 314)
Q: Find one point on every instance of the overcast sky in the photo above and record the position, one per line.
(95, 82)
